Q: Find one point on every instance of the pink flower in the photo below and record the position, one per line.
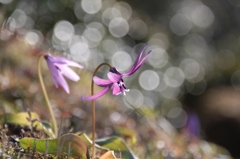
(59, 68)
(115, 80)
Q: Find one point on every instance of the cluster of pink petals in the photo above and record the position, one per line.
(59, 68)
(115, 80)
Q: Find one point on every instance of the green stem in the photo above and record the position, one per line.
(55, 128)
(93, 108)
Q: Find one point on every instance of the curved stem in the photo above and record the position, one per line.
(55, 128)
(93, 108)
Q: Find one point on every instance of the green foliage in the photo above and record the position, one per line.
(118, 145)
(26, 119)
(111, 143)
(69, 144)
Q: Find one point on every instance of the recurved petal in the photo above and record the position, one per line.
(138, 58)
(97, 95)
(101, 82)
(68, 72)
(139, 64)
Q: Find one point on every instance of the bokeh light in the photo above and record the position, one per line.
(91, 6)
(202, 16)
(118, 27)
(64, 31)
(17, 20)
(109, 14)
(5, 1)
(137, 29)
(158, 58)
(135, 98)
(190, 67)
(124, 8)
(122, 61)
(149, 80)
(34, 38)
(174, 77)
(177, 117)
(180, 24)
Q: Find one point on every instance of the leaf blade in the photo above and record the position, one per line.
(58, 145)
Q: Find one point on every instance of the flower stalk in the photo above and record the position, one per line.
(53, 120)
(93, 108)
(114, 82)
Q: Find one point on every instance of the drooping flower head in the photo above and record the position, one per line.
(115, 80)
(59, 68)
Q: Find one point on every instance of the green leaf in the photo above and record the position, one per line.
(85, 138)
(110, 143)
(127, 133)
(69, 144)
(118, 145)
(29, 119)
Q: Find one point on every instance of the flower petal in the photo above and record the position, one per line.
(116, 89)
(58, 67)
(68, 72)
(114, 77)
(133, 70)
(101, 82)
(62, 82)
(62, 60)
(138, 58)
(98, 95)
(52, 68)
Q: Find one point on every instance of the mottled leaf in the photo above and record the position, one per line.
(69, 143)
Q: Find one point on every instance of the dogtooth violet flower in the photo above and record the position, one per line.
(59, 68)
(115, 80)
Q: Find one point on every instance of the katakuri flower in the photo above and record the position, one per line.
(59, 68)
(115, 80)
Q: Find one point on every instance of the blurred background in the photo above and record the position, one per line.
(189, 85)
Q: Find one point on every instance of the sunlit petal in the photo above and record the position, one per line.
(101, 82)
(68, 72)
(58, 67)
(97, 95)
(61, 60)
(62, 82)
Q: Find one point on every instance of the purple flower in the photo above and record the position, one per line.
(192, 126)
(115, 80)
(58, 67)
